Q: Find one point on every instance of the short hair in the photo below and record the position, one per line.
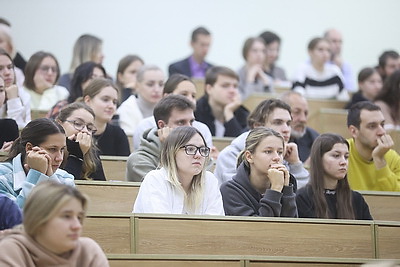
(85, 47)
(365, 73)
(96, 85)
(4, 21)
(45, 200)
(179, 137)
(260, 114)
(144, 69)
(123, 64)
(383, 58)
(197, 32)
(249, 43)
(32, 66)
(173, 81)
(35, 132)
(353, 116)
(270, 37)
(213, 73)
(163, 109)
(323, 144)
(4, 53)
(82, 74)
(255, 137)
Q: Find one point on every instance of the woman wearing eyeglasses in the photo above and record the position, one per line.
(41, 74)
(181, 185)
(262, 185)
(83, 159)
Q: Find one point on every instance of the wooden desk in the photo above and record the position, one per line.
(114, 167)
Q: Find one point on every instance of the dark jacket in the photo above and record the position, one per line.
(241, 199)
(183, 67)
(306, 207)
(233, 127)
(305, 142)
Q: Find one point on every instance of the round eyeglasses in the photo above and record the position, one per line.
(79, 125)
(192, 150)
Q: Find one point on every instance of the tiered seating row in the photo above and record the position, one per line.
(207, 235)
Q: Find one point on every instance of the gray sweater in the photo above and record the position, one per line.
(241, 199)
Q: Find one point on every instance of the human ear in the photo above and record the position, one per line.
(28, 147)
(353, 131)
(86, 99)
(161, 124)
(248, 156)
(208, 88)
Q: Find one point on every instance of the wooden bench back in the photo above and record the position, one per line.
(114, 167)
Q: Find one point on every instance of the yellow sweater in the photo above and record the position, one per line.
(363, 175)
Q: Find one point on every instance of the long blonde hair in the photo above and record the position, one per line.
(45, 200)
(173, 143)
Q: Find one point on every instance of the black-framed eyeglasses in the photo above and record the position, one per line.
(192, 150)
(79, 125)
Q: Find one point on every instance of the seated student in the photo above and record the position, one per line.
(102, 96)
(373, 165)
(273, 43)
(81, 78)
(221, 107)
(328, 194)
(369, 84)
(252, 78)
(86, 48)
(177, 84)
(318, 78)
(17, 102)
(172, 111)
(274, 114)
(182, 185)
(83, 159)
(35, 156)
(41, 74)
(389, 62)
(149, 86)
(195, 66)
(388, 100)
(126, 76)
(262, 185)
(9, 128)
(10, 213)
(300, 133)
(51, 232)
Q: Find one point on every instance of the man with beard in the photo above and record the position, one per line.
(274, 114)
(301, 135)
(373, 165)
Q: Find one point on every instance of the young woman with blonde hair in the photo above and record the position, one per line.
(182, 185)
(51, 233)
(262, 185)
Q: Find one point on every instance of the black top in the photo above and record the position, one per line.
(19, 62)
(8, 130)
(233, 127)
(74, 163)
(305, 142)
(113, 141)
(306, 208)
(357, 97)
(240, 198)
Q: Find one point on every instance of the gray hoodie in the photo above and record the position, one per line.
(146, 158)
(226, 163)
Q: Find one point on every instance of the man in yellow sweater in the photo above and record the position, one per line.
(373, 165)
